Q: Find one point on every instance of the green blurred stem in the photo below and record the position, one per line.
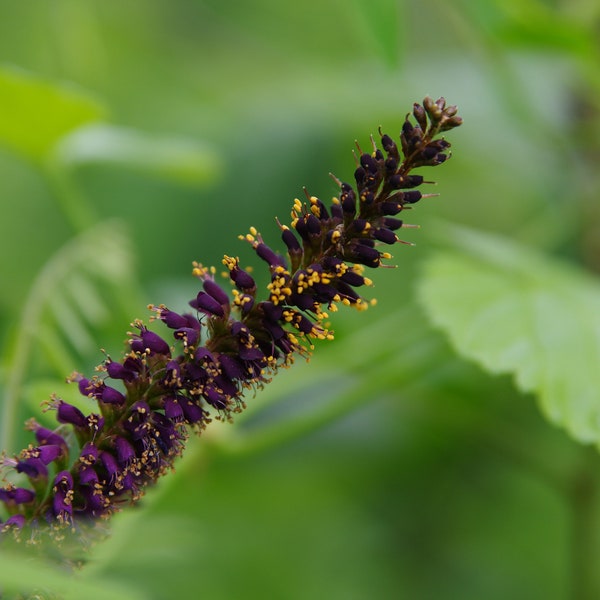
(28, 328)
(582, 499)
(19, 352)
(73, 203)
(79, 213)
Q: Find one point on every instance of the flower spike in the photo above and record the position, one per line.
(147, 403)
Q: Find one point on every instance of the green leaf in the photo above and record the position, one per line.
(99, 263)
(382, 26)
(182, 160)
(517, 312)
(37, 112)
(23, 574)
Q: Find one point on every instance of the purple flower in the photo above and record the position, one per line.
(15, 495)
(14, 522)
(142, 423)
(67, 413)
(148, 341)
(62, 502)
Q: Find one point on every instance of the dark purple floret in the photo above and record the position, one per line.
(150, 341)
(390, 208)
(173, 409)
(193, 413)
(172, 319)
(87, 475)
(15, 521)
(88, 454)
(216, 291)
(16, 495)
(252, 353)
(49, 453)
(112, 396)
(313, 225)
(172, 376)
(62, 502)
(205, 303)
(85, 386)
(109, 462)
(271, 311)
(190, 336)
(271, 258)
(363, 254)
(214, 398)
(291, 241)
(352, 278)
(231, 367)
(125, 451)
(67, 413)
(34, 468)
(385, 235)
(117, 370)
(46, 437)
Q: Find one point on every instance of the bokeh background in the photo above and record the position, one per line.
(138, 136)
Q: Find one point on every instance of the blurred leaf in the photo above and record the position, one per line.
(23, 574)
(36, 112)
(515, 311)
(50, 319)
(185, 161)
(380, 19)
(534, 23)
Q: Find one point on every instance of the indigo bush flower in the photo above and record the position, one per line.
(146, 404)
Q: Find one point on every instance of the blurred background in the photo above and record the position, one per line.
(136, 137)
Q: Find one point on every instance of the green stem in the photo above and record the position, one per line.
(583, 508)
(74, 205)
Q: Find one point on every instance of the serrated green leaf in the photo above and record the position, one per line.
(36, 112)
(515, 311)
(181, 160)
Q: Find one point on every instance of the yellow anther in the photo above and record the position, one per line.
(386, 255)
(368, 281)
(230, 262)
(253, 231)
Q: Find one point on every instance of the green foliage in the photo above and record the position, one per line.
(393, 464)
(41, 111)
(79, 289)
(26, 578)
(516, 312)
(181, 160)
